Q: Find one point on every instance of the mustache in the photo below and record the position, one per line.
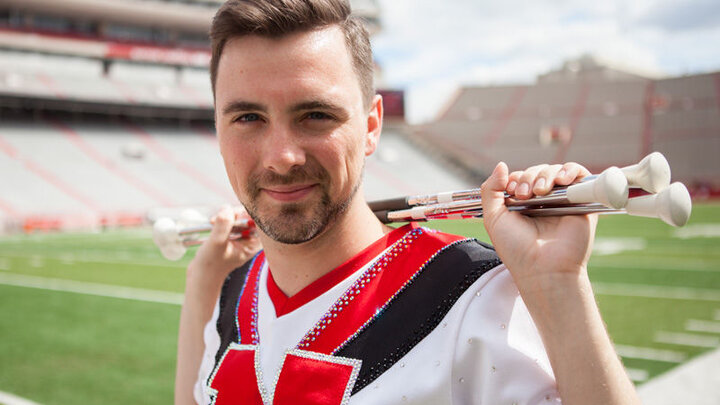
(309, 173)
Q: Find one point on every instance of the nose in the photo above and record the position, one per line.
(282, 151)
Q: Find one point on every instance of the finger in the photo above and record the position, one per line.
(570, 173)
(526, 181)
(492, 193)
(545, 179)
(513, 179)
(222, 225)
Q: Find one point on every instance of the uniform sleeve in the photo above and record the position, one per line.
(212, 345)
(499, 356)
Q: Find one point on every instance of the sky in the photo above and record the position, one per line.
(431, 47)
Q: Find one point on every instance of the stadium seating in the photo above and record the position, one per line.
(66, 172)
(598, 122)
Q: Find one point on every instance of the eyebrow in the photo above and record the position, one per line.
(240, 105)
(316, 105)
(235, 106)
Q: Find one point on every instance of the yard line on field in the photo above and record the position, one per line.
(637, 374)
(11, 399)
(687, 339)
(612, 246)
(656, 291)
(709, 230)
(648, 353)
(81, 287)
(95, 258)
(684, 265)
(698, 325)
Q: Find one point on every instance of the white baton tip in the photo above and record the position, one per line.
(672, 205)
(167, 239)
(173, 251)
(610, 189)
(652, 173)
(164, 230)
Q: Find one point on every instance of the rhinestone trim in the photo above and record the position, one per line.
(356, 288)
(392, 298)
(242, 291)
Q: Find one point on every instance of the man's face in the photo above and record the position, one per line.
(293, 130)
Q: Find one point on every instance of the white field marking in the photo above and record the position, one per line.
(666, 264)
(657, 291)
(7, 398)
(81, 287)
(647, 353)
(698, 231)
(687, 339)
(96, 258)
(611, 246)
(637, 374)
(697, 325)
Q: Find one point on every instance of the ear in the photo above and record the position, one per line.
(374, 125)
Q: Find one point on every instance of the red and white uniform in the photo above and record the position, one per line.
(485, 348)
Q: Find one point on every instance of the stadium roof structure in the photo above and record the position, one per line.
(182, 16)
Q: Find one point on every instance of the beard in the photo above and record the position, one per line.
(295, 223)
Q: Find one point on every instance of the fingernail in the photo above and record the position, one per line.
(512, 186)
(523, 189)
(540, 183)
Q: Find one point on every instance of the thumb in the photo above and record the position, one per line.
(492, 192)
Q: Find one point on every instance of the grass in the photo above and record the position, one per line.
(66, 348)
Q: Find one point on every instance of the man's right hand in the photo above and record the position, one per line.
(219, 255)
(207, 271)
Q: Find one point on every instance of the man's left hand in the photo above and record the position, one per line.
(536, 249)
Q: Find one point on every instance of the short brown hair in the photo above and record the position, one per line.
(276, 18)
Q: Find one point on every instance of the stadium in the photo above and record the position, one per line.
(106, 124)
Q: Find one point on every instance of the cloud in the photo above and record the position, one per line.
(683, 15)
(426, 45)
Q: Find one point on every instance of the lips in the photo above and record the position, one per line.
(289, 193)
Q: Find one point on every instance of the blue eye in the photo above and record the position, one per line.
(248, 117)
(316, 115)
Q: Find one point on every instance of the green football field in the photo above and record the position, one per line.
(92, 318)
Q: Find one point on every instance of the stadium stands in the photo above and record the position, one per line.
(599, 117)
(69, 171)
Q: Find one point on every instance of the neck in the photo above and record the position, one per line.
(294, 267)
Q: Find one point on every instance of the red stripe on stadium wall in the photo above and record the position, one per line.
(505, 116)
(49, 177)
(188, 170)
(156, 54)
(577, 113)
(50, 84)
(8, 209)
(98, 157)
(12, 153)
(647, 130)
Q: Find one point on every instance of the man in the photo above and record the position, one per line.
(339, 308)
